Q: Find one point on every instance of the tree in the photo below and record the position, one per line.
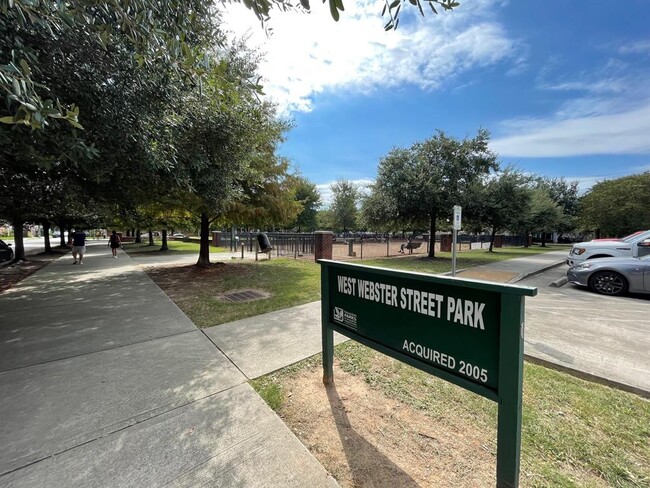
(378, 210)
(325, 219)
(345, 195)
(565, 195)
(500, 201)
(123, 103)
(544, 214)
(308, 196)
(158, 32)
(617, 207)
(423, 183)
(224, 141)
(172, 32)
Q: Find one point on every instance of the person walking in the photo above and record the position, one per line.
(78, 241)
(114, 243)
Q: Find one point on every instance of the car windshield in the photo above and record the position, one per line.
(632, 236)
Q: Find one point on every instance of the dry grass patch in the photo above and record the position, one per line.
(386, 424)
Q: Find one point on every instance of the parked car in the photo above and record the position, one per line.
(618, 239)
(613, 276)
(179, 236)
(6, 253)
(627, 247)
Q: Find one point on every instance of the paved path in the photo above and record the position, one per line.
(608, 337)
(105, 382)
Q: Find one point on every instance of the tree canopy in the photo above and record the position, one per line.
(176, 33)
(617, 207)
(345, 196)
(419, 185)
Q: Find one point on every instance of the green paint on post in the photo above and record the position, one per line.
(467, 332)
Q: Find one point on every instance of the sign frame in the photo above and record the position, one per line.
(508, 393)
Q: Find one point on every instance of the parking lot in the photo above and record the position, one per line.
(575, 328)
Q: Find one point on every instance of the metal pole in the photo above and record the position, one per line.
(327, 332)
(511, 343)
(453, 253)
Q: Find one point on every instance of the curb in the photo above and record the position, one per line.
(560, 282)
(583, 375)
(528, 274)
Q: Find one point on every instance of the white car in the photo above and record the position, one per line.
(635, 245)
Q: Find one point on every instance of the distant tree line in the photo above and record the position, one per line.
(416, 188)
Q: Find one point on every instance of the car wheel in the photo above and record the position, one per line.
(608, 283)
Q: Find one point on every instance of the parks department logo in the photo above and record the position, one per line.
(345, 318)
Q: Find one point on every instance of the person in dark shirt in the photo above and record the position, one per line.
(114, 243)
(78, 239)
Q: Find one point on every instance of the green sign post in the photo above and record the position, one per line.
(467, 332)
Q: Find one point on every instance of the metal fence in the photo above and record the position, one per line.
(284, 244)
(366, 246)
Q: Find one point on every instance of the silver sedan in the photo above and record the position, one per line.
(613, 276)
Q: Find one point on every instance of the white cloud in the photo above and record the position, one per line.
(638, 47)
(325, 189)
(586, 182)
(310, 53)
(614, 133)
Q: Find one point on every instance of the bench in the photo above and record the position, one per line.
(410, 245)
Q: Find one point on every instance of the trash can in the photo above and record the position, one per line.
(264, 243)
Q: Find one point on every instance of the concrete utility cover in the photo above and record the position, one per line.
(245, 296)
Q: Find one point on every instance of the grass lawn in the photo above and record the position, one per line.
(175, 247)
(196, 290)
(466, 259)
(574, 433)
(290, 282)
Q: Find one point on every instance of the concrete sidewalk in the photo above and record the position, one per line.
(514, 270)
(105, 382)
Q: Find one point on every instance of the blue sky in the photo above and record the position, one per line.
(563, 87)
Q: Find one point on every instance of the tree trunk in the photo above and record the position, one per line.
(432, 238)
(46, 235)
(138, 236)
(526, 239)
(204, 250)
(492, 236)
(19, 245)
(543, 239)
(151, 237)
(164, 246)
(61, 234)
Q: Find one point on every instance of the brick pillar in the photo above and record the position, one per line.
(216, 238)
(324, 240)
(498, 241)
(445, 242)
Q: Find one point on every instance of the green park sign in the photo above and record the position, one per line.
(467, 332)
